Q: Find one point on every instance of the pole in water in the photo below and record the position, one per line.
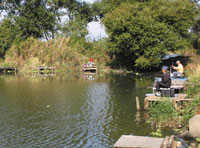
(138, 103)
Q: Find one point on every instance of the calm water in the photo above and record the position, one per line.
(70, 112)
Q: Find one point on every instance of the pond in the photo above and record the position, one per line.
(72, 112)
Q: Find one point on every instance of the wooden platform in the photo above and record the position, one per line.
(8, 70)
(90, 69)
(177, 84)
(41, 69)
(177, 101)
(127, 141)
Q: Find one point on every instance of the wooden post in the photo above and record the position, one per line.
(137, 117)
(175, 105)
(146, 104)
(138, 103)
(170, 142)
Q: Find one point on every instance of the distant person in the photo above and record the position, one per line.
(91, 62)
(165, 80)
(179, 69)
(91, 59)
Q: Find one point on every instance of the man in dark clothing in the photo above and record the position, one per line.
(165, 81)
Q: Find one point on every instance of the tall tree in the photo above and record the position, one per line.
(78, 15)
(33, 17)
(141, 33)
(102, 7)
(8, 32)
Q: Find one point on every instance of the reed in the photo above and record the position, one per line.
(56, 52)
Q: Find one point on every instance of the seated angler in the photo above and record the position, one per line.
(91, 62)
(165, 80)
(179, 69)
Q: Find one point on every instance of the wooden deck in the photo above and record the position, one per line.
(90, 69)
(127, 141)
(41, 69)
(177, 101)
(177, 84)
(5, 70)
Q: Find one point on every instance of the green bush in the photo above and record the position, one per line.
(190, 110)
(162, 111)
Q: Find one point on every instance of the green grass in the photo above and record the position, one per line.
(162, 111)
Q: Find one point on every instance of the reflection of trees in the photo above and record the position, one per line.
(143, 83)
(123, 91)
(37, 107)
(68, 107)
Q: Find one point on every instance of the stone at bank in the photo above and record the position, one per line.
(194, 126)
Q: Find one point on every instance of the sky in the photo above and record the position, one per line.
(89, 1)
(96, 29)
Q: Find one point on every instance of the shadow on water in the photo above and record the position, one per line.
(67, 111)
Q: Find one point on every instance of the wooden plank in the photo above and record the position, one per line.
(90, 68)
(175, 102)
(46, 68)
(164, 143)
(180, 98)
(183, 100)
(41, 68)
(146, 104)
(174, 144)
(127, 141)
(170, 142)
(175, 105)
(8, 69)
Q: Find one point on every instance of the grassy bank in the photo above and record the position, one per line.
(64, 54)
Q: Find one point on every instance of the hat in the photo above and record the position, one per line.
(165, 67)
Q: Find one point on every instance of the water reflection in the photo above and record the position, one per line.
(90, 77)
(70, 111)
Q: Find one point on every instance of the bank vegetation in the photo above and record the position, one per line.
(164, 113)
(31, 53)
(140, 32)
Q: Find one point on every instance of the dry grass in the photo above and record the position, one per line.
(187, 52)
(57, 52)
(193, 68)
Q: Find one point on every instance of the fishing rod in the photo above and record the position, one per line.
(171, 68)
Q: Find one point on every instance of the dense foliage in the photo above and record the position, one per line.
(7, 35)
(33, 17)
(140, 33)
(41, 19)
(162, 111)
